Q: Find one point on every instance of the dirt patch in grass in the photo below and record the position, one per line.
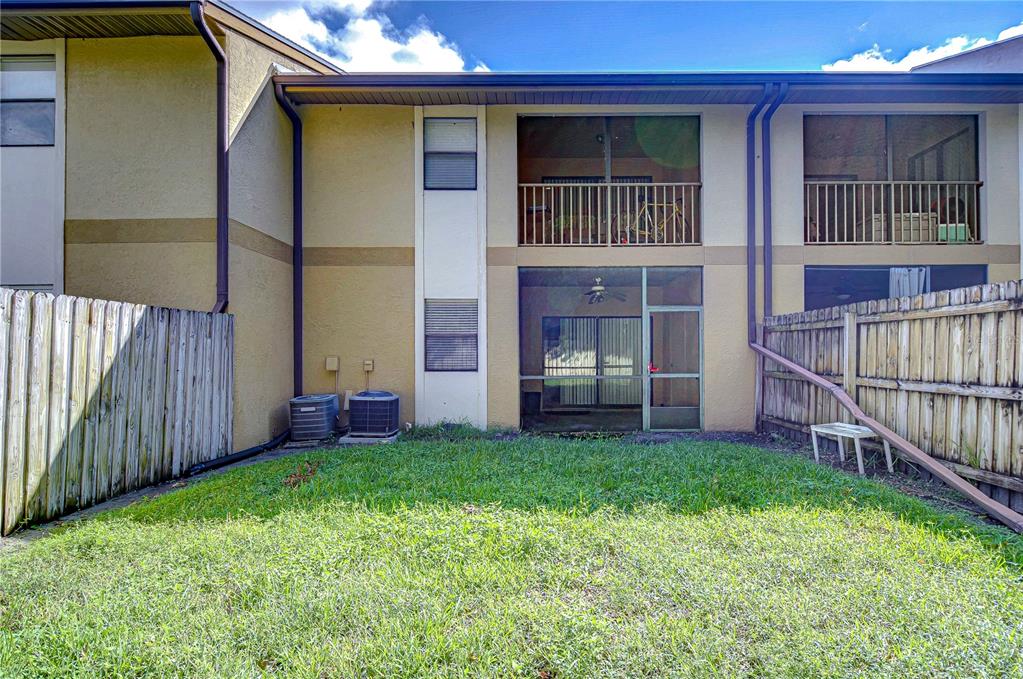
(305, 472)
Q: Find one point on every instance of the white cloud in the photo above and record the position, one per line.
(368, 40)
(876, 59)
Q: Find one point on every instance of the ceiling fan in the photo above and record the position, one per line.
(598, 293)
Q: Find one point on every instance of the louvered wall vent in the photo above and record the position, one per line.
(451, 335)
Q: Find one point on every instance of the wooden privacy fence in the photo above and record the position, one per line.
(944, 370)
(99, 398)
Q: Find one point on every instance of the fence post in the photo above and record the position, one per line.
(850, 354)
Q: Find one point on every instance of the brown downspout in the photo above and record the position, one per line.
(199, 19)
(296, 232)
(765, 138)
(995, 509)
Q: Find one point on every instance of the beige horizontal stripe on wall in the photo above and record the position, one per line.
(736, 255)
(358, 256)
(905, 254)
(103, 231)
(256, 241)
(140, 230)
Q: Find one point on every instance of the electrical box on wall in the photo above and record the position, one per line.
(368, 365)
(332, 364)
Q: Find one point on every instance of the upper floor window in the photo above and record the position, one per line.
(449, 153)
(609, 180)
(891, 178)
(28, 87)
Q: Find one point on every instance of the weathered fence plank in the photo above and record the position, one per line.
(60, 385)
(17, 406)
(6, 297)
(93, 401)
(101, 397)
(36, 449)
(943, 369)
(78, 394)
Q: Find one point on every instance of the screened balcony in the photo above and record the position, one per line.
(609, 181)
(873, 179)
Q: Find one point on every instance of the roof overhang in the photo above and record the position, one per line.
(649, 88)
(47, 19)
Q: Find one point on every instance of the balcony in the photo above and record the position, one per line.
(609, 214)
(902, 178)
(609, 181)
(885, 212)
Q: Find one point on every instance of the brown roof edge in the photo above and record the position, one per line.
(35, 20)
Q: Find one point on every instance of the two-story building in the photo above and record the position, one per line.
(544, 251)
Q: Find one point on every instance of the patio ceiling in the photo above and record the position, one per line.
(648, 88)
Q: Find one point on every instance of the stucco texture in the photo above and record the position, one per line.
(263, 375)
(140, 131)
(360, 313)
(502, 346)
(260, 167)
(359, 278)
(358, 169)
(179, 275)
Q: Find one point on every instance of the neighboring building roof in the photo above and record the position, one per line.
(1003, 56)
(648, 88)
(42, 19)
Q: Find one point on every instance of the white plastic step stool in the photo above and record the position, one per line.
(841, 431)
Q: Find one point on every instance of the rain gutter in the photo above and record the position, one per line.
(765, 136)
(199, 19)
(751, 211)
(297, 289)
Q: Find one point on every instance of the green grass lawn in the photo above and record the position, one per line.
(533, 558)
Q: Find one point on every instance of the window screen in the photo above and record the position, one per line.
(449, 153)
(27, 92)
(27, 123)
(451, 335)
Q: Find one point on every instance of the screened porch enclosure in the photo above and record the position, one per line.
(906, 178)
(610, 349)
(609, 180)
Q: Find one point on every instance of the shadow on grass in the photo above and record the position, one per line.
(557, 474)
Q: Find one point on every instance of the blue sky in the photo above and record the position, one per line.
(629, 36)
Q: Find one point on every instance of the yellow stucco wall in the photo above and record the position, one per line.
(250, 66)
(260, 259)
(358, 176)
(359, 313)
(503, 346)
(140, 171)
(260, 142)
(359, 275)
(141, 196)
(165, 274)
(140, 138)
(261, 304)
